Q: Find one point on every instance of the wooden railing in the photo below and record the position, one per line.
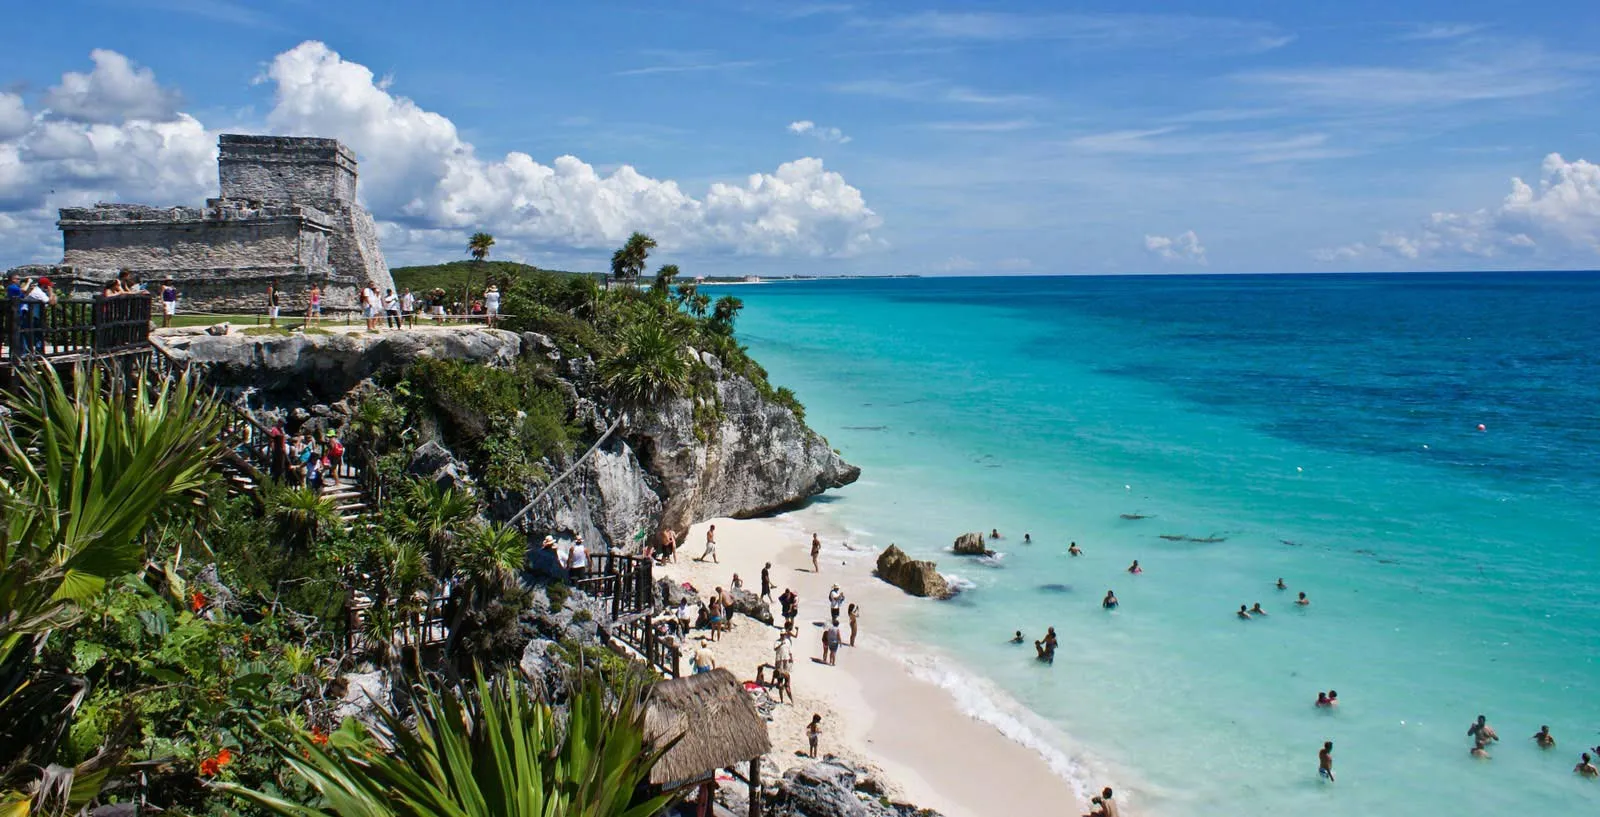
(628, 583)
(102, 326)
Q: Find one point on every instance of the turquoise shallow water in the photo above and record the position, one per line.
(1324, 427)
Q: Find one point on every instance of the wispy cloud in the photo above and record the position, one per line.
(221, 11)
(929, 90)
(1510, 74)
(805, 127)
(1441, 31)
(990, 126)
(1249, 147)
(1086, 30)
(683, 68)
(1182, 248)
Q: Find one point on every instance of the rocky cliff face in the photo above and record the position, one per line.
(660, 471)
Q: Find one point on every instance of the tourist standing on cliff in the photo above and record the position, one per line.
(370, 307)
(491, 304)
(272, 304)
(169, 302)
(711, 546)
(408, 307)
(314, 305)
(391, 309)
(577, 560)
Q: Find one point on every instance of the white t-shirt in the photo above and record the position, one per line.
(408, 302)
(369, 297)
(391, 302)
(836, 598)
(578, 557)
(38, 294)
(491, 300)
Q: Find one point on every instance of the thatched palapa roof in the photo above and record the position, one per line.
(718, 723)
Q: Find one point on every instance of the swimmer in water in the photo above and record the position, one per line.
(1257, 611)
(1027, 538)
(1322, 700)
(1281, 585)
(1017, 639)
(1244, 613)
(1586, 768)
(1074, 550)
(1110, 602)
(1303, 601)
(1478, 750)
(994, 533)
(1135, 568)
(1333, 697)
(1325, 761)
(1544, 738)
(1482, 730)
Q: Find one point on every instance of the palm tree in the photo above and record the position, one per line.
(478, 245)
(647, 365)
(664, 277)
(699, 304)
(723, 313)
(486, 562)
(301, 515)
(627, 263)
(492, 750)
(684, 292)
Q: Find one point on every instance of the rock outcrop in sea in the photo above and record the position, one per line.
(919, 578)
(972, 544)
(660, 471)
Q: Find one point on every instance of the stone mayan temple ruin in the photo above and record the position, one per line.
(287, 213)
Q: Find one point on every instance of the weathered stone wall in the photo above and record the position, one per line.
(318, 172)
(354, 250)
(190, 245)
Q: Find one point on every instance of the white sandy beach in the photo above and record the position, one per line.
(874, 711)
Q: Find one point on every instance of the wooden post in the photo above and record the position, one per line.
(755, 787)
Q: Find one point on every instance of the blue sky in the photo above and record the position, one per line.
(849, 137)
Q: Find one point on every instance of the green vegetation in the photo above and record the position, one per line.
(451, 276)
(162, 643)
(491, 751)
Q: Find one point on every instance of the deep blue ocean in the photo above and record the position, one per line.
(1322, 429)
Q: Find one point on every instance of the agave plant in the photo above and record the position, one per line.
(86, 472)
(490, 751)
(301, 514)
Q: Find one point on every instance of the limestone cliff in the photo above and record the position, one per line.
(663, 469)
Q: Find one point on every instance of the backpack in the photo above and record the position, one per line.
(336, 448)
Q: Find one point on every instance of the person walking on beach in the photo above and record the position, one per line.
(718, 615)
(711, 546)
(814, 733)
(1325, 761)
(766, 582)
(816, 551)
(835, 601)
(789, 603)
(830, 645)
(855, 622)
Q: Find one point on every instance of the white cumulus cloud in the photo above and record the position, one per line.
(417, 169)
(1184, 247)
(806, 127)
(115, 91)
(1556, 222)
(112, 134)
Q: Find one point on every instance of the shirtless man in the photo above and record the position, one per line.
(1544, 738)
(1281, 585)
(1257, 611)
(1482, 731)
(1303, 601)
(1586, 768)
(1244, 613)
(711, 546)
(1325, 761)
(1108, 806)
(1074, 550)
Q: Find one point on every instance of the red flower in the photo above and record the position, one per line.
(224, 757)
(318, 736)
(197, 601)
(212, 765)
